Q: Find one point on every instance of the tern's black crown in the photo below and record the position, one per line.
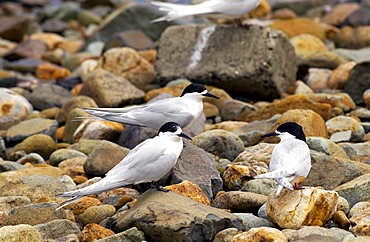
(169, 127)
(194, 87)
(293, 129)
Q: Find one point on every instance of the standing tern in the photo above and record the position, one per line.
(228, 9)
(290, 160)
(184, 110)
(147, 162)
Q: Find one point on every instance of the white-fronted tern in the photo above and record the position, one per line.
(290, 160)
(147, 162)
(227, 9)
(184, 110)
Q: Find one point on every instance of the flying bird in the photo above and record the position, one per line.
(290, 160)
(228, 9)
(184, 110)
(147, 162)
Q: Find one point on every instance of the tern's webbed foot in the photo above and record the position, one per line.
(158, 187)
(297, 187)
(241, 25)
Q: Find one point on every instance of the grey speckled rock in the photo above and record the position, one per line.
(171, 217)
(252, 221)
(195, 51)
(354, 150)
(326, 146)
(239, 201)
(130, 235)
(30, 127)
(57, 228)
(33, 214)
(220, 142)
(49, 95)
(343, 123)
(356, 190)
(260, 186)
(196, 166)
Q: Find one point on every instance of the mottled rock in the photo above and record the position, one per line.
(260, 234)
(239, 201)
(343, 123)
(41, 144)
(256, 80)
(132, 234)
(33, 214)
(295, 208)
(148, 215)
(317, 78)
(317, 233)
(227, 125)
(190, 190)
(196, 166)
(27, 49)
(341, 219)
(129, 64)
(14, 108)
(225, 235)
(85, 146)
(110, 89)
(79, 207)
(236, 176)
(98, 130)
(260, 186)
(104, 157)
(307, 44)
(21, 233)
(231, 109)
(356, 190)
(220, 142)
(258, 153)
(339, 12)
(49, 71)
(57, 228)
(95, 214)
(340, 100)
(30, 127)
(31, 158)
(73, 168)
(330, 172)
(326, 147)
(92, 232)
(48, 95)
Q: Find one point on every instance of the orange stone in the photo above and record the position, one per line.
(92, 232)
(190, 190)
(49, 71)
(79, 207)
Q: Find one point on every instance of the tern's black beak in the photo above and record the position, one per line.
(270, 134)
(184, 136)
(211, 95)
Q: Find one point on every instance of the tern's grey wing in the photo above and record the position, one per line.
(155, 114)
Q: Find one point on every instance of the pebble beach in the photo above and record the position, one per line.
(299, 61)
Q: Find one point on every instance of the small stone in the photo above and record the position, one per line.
(79, 207)
(352, 38)
(339, 76)
(27, 49)
(340, 100)
(30, 127)
(132, 234)
(294, 27)
(228, 125)
(95, 214)
(49, 95)
(135, 39)
(252, 221)
(73, 168)
(41, 144)
(190, 190)
(92, 232)
(75, 102)
(98, 130)
(63, 154)
(49, 71)
(220, 142)
(225, 235)
(32, 158)
(51, 39)
(57, 228)
(85, 146)
(236, 176)
(232, 109)
(318, 78)
(326, 146)
(260, 234)
(343, 123)
(260, 186)
(240, 201)
(341, 219)
(339, 13)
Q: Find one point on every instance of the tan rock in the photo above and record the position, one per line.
(300, 101)
(360, 219)
(343, 123)
(71, 46)
(51, 39)
(327, 59)
(150, 55)
(260, 234)
(312, 123)
(340, 75)
(295, 208)
(92, 232)
(366, 97)
(49, 71)
(41, 144)
(240, 201)
(300, 88)
(260, 153)
(128, 63)
(353, 38)
(190, 190)
(294, 27)
(341, 219)
(73, 167)
(95, 129)
(75, 102)
(307, 44)
(210, 110)
(261, 11)
(318, 78)
(173, 90)
(20, 233)
(95, 214)
(227, 125)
